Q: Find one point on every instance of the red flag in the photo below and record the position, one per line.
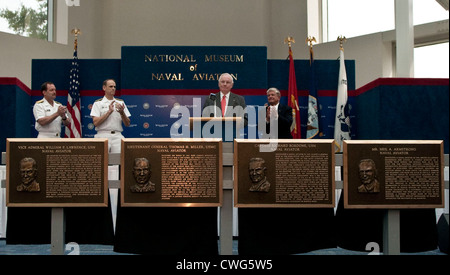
(293, 99)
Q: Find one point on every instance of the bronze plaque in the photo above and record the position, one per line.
(69, 172)
(171, 172)
(284, 173)
(393, 174)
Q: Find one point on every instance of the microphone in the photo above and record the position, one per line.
(212, 97)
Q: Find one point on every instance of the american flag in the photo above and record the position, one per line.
(73, 100)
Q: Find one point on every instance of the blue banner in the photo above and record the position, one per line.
(176, 67)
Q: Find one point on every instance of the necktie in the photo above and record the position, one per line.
(224, 105)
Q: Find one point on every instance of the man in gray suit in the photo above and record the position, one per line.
(225, 103)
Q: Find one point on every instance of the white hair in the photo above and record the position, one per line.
(226, 74)
(275, 90)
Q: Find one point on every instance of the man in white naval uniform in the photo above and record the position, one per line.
(108, 113)
(49, 114)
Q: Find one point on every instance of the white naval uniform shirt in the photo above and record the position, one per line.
(114, 121)
(42, 109)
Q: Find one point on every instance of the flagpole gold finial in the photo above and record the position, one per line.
(341, 39)
(289, 40)
(76, 32)
(310, 41)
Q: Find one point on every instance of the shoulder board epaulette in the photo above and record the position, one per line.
(100, 99)
(58, 102)
(40, 101)
(118, 99)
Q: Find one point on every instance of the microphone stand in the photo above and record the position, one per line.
(212, 96)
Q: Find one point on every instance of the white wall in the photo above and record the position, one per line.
(372, 55)
(16, 53)
(190, 23)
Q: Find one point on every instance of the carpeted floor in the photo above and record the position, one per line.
(108, 250)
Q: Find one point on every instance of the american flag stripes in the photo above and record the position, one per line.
(73, 100)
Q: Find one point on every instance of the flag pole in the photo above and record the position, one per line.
(310, 41)
(292, 92)
(289, 40)
(341, 40)
(342, 125)
(313, 124)
(76, 32)
(73, 130)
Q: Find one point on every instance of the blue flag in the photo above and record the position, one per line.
(313, 127)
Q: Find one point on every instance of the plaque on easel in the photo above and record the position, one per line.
(165, 172)
(393, 174)
(57, 172)
(284, 173)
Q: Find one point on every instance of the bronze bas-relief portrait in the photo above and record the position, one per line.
(368, 177)
(28, 174)
(142, 173)
(257, 172)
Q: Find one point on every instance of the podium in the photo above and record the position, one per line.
(226, 128)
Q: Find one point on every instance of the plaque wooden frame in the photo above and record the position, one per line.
(40, 150)
(154, 198)
(386, 153)
(244, 198)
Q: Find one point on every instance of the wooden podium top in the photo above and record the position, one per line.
(206, 119)
(236, 119)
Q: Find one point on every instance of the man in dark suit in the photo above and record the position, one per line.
(225, 103)
(279, 112)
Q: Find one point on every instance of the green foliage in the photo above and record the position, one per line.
(27, 21)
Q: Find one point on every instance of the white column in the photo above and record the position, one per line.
(61, 22)
(404, 32)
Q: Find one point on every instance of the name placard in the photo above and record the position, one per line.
(57, 172)
(171, 172)
(284, 173)
(390, 174)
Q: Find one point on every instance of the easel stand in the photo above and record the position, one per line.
(226, 211)
(391, 232)
(58, 231)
